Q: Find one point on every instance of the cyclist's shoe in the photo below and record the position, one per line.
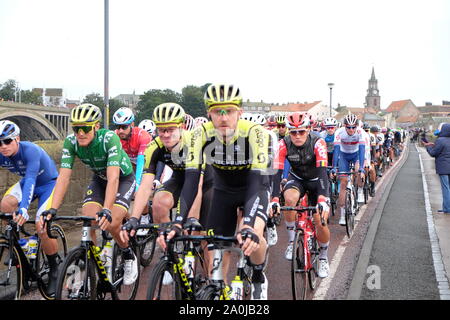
(272, 236)
(259, 289)
(51, 286)
(361, 195)
(342, 219)
(131, 268)
(324, 268)
(167, 279)
(288, 252)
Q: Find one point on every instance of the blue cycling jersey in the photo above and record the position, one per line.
(35, 167)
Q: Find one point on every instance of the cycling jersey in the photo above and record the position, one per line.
(37, 169)
(366, 148)
(241, 166)
(104, 151)
(329, 139)
(347, 143)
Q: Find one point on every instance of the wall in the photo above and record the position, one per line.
(79, 181)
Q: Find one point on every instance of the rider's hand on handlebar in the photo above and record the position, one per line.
(104, 218)
(21, 216)
(175, 230)
(129, 229)
(248, 239)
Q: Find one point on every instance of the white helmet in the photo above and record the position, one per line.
(189, 123)
(351, 119)
(246, 116)
(330, 122)
(200, 120)
(148, 125)
(8, 130)
(123, 115)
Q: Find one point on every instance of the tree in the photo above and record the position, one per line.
(192, 100)
(151, 99)
(97, 100)
(28, 96)
(8, 89)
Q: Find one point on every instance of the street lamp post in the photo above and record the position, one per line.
(106, 82)
(331, 88)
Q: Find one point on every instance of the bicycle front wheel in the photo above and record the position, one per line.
(123, 291)
(42, 265)
(349, 217)
(210, 292)
(299, 274)
(77, 278)
(163, 284)
(10, 272)
(147, 250)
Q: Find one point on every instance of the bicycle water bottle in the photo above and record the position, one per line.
(32, 247)
(189, 264)
(107, 256)
(24, 245)
(237, 288)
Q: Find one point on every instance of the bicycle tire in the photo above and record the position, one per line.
(349, 217)
(299, 276)
(147, 250)
(157, 290)
(12, 291)
(42, 263)
(123, 292)
(312, 273)
(80, 271)
(210, 292)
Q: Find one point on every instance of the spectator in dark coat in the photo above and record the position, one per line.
(441, 152)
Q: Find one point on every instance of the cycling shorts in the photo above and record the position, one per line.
(43, 193)
(345, 159)
(95, 192)
(315, 188)
(222, 218)
(173, 186)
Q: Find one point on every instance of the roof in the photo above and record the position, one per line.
(397, 105)
(406, 119)
(293, 107)
(430, 109)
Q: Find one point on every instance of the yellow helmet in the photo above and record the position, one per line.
(85, 113)
(222, 94)
(281, 119)
(168, 113)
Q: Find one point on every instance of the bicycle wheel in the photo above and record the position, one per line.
(147, 250)
(299, 276)
(210, 292)
(366, 191)
(163, 283)
(123, 292)
(42, 265)
(10, 276)
(314, 256)
(349, 217)
(77, 278)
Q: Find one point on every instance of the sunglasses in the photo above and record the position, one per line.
(86, 129)
(122, 126)
(296, 132)
(281, 126)
(162, 131)
(5, 142)
(351, 127)
(330, 128)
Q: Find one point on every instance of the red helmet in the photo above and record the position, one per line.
(298, 120)
(271, 121)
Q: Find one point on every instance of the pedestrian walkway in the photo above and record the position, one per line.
(401, 261)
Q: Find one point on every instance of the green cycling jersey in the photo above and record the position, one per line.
(104, 151)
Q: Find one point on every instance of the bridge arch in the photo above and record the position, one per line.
(32, 125)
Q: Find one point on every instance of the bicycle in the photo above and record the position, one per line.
(83, 275)
(351, 205)
(305, 253)
(174, 278)
(217, 288)
(146, 240)
(17, 271)
(334, 192)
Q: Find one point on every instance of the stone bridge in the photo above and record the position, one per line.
(37, 122)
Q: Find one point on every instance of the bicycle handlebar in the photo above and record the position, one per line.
(9, 217)
(48, 223)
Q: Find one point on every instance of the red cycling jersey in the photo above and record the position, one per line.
(136, 144)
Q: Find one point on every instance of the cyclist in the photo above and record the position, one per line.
(149, 126)
(281, 126)
(134, 139)
(307, 155)
(238, 150)
(39, 173)
(109, 193)
(328, 135)
(369, 162)
(349, 146)
(271, 122)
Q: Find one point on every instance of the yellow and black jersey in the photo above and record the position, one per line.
(175, 159)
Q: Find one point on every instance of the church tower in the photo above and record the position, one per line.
(373, 94)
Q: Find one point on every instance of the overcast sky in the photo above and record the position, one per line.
(275, 51)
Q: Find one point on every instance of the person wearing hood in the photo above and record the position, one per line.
(440, 150)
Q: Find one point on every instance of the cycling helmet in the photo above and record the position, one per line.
(297, 120)
(366, 126)
(200, 120)
(222, 94)
(8, 130)
(259, 119)
(383, 130)
(281, 119)
(330, 122)
(246, 116)
(123, 115)
(271, 120)
(85, 113)
(374, 129)
(351, 119)
(148, 125)
(168, 114)
(189, 122)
